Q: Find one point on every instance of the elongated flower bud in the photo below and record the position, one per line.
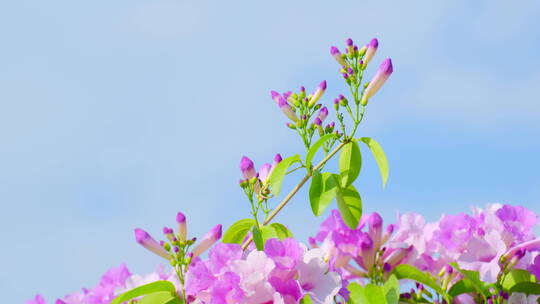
(209, 239)
(388, 233)
(334, 51)
(147, 241)
(375, 229)
(247, 168)
(318, 93)
(286, 109)
(275, 96)
(264, 172)
(323, 113)
(371, 50)
(398, 255)
(519, 248)
(318, 121)
(182, 226)
(385, 70)
(277, 160)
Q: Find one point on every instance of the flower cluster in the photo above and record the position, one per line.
(283, 273)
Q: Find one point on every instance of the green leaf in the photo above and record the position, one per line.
(279, 172)
(315, 147)
(460, 287)
(154, 287)
(238, 231)
(350, 163)
(322, 191)
(474, 279)
(357, 294)
(527, 288)
(306, 300)
(349, 204)
(282, 232)
(391, 290)
(379, 155)
(159, 298)
(516, 276)
(404, 271)
(257, 238)
(375, 294)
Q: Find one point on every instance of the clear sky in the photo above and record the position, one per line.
(118, 114)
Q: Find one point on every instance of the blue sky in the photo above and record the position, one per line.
(117, 114)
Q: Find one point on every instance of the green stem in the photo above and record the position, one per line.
(295, 190)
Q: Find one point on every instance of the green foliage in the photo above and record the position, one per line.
(322, 191)
(279, 172)
(374, 294)
(379, 155)
(306, 300)
(238, 231)
(529, 288)
(460, 287)
(473, 278)
(516, 276)
(349, 204)
(161, 292)
(405, 271)
(350, 163)
(315, 147)
(257, 238)
(274, 231)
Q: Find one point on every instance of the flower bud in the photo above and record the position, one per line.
(209, 239)
(247, 168)
(147, 241)
(318, 93)
(286, 109)
(264, 172)
(334, 51)
(182, 226)
(371, 50)
(375, 229)
(318, 121)
(290, 125)
(398, 255)
(323, 113)
(385, 70)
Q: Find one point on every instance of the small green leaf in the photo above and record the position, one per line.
(516, 276)
(238, 231)
(159, 298)
(405, 271)
(350, 163)
(315, 147)
(279, 172)
(282, 232)
(306, 300)
(391, 290)
(460, 287)
(375, 294)
(154, 287)
(380, 157)
(257, 238)
(349, 204)
(474, 279)
(322, 191)
(357, 294)
(527, 288)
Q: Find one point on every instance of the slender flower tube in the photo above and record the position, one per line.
(323, 113)
(334, 51)
(385, 70)
(209, 239)
(182, 227)
(375, 229)
(264, 172)
(247, 168)
(275, 96)
(371, 50)
(516, 250)
(318, 93)
(147, 241)
(286, 108)
(398, 255)
(277, 160)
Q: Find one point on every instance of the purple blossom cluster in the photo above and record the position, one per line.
(283, 273)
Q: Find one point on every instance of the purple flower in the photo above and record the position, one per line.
(277, 160)
(147, 241)
(37, 300)
(385, 70)
(247, 167)
(318, 121)
(287, 109)
(371, 50)
(209, 239)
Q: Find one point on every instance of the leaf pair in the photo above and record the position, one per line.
(238, 231)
